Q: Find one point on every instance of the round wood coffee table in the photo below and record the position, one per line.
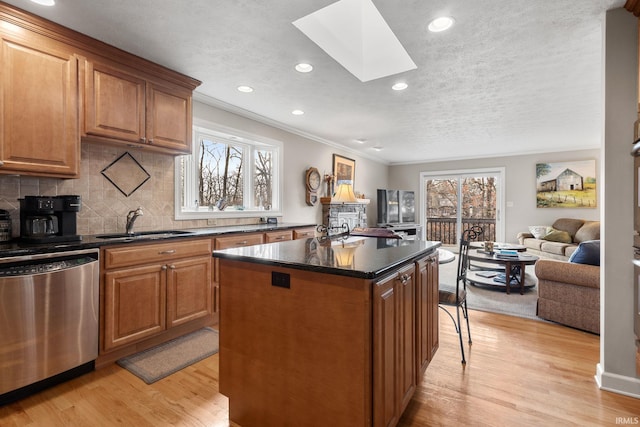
(513, 267)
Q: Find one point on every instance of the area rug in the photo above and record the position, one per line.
(163, 360)
(494, 300)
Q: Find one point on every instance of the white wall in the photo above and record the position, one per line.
(299, 154)
(616, 370)
(520, 183)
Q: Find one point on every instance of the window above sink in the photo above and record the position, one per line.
(230, 174)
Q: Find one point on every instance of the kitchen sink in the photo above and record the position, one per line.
(144, 235)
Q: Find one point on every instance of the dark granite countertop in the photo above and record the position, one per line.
(363, 257)
(18, 248)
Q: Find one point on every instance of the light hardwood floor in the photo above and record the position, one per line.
(519, 372)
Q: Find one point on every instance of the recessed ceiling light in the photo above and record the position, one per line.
(297, 112)
(361, 140)
(400, 86)
(377, 148)
(245, 89)
(441, 24)
(304, 68)
(45, 2)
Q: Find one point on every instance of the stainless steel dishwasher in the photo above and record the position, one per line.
(48, 320)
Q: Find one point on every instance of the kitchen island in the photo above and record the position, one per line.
(326, 332)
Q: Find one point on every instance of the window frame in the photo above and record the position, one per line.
(236, 137)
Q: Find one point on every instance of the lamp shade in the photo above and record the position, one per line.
(344, 256)
(344, 194)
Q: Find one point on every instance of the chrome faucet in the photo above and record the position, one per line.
(131, 218)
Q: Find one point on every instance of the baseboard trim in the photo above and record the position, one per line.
(615, 383)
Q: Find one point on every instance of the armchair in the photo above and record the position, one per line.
(569, 293)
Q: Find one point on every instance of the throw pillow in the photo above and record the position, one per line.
(557, 236)
(539, 230)
(587, 253)
(589, 231)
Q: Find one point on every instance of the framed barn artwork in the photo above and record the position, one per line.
(566, 184)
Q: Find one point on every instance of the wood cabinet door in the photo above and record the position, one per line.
(39, 133)
(406, 369)
(433, 283)
(394, 345)
(134, 304)
(215, 286)
(422, 317)
(114, 104)
(385, 353)
(426, 313)
(169, 118)
(188, 290)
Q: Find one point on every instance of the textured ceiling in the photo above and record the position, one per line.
(511, 76)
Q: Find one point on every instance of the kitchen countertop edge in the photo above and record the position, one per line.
(17, 248)
(375, 271)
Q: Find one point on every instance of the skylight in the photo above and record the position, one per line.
(355, 34)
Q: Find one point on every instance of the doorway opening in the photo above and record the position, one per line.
(454, 201)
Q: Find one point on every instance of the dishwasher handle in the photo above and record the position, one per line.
(60, 261)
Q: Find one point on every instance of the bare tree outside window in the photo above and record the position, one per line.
(220, 171)
(228, 176)
(476, 205)
(263, 178)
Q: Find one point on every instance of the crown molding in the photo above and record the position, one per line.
(230, 108)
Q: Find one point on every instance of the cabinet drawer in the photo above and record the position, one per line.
(239, 240)
(278, 236)
(304, 233)
(159, 252)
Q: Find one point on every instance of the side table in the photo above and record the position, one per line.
(445, 256)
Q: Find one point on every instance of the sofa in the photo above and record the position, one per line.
(569, 293)
(559, 240)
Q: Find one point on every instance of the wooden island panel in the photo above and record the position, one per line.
(300, 353)
(307, 338)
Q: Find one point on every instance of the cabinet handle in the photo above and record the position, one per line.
(143, 139)
(404, 278)
(172, 267)
(169, 252)
(1, 163)
(244, 242)
(151, 141)
(164, 267)
(279, 237)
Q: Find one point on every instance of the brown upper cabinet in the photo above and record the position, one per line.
(58, 86)
(39, 106)
(125, 106)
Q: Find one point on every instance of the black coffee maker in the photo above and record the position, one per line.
(49, 219)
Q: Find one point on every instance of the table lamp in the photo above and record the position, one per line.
(344, 194)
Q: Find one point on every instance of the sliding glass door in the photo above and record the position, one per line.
(457, 200)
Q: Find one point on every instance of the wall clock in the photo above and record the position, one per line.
(312, 181)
